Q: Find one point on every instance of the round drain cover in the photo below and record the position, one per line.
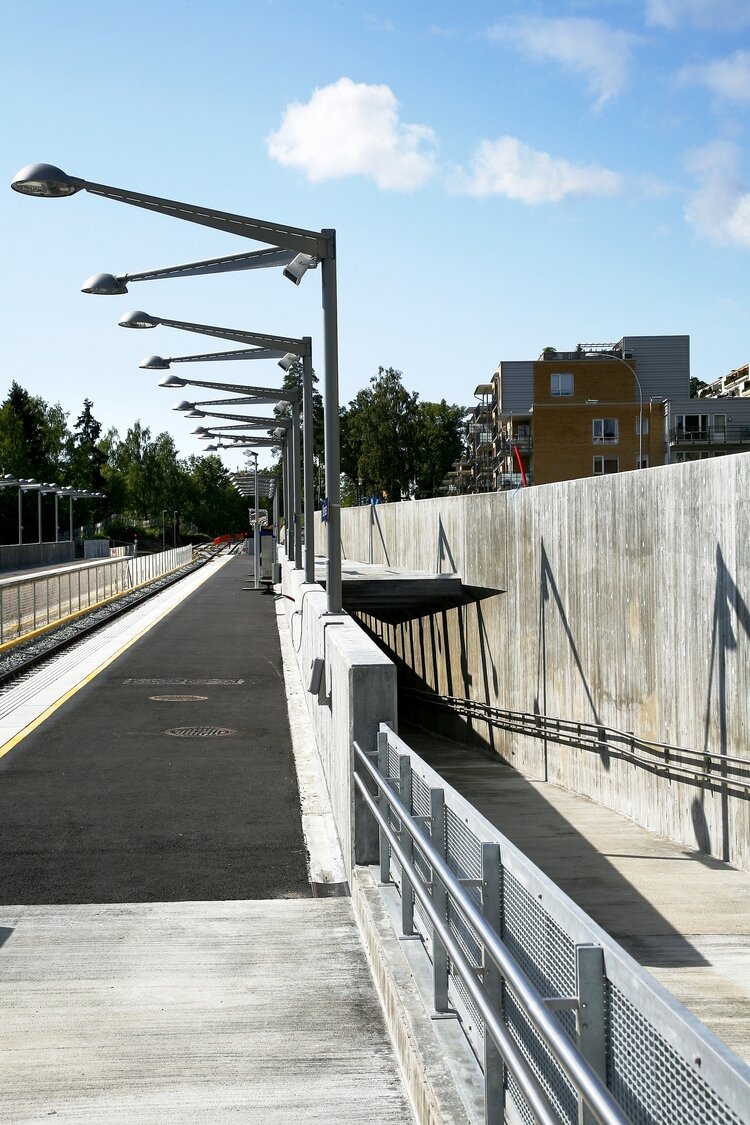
(177, 698)
(200, 732)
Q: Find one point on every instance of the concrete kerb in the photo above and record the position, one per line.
(350, 688)
(356, 691)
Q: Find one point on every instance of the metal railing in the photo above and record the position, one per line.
(715, 771)
(711, 435)
(566, 1026)
(35, 601)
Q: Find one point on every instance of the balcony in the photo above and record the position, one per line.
(710, 436)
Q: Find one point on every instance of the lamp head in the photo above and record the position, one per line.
(104, 285)
(45, 180)
(154, 363)
(171, 380)
(195, 414)
(210, 448)
(183, 405)
(138, 319)
(286, 362)
(299, 266)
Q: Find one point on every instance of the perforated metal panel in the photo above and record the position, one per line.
(651, 1056)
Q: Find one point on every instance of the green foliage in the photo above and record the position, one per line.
(394, 444)
(696, 385)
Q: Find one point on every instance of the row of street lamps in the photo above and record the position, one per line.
(24, 485)
(296, 251)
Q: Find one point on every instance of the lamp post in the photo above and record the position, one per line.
(310, 247)
(264, 346)
(164, 528)
(626, 365)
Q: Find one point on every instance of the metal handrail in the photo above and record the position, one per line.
(681, 763)
(579, 1072)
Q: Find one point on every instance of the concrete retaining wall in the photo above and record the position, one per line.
(626, 602)
(357, 692)
(15, 556)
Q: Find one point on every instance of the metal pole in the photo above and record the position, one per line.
(284, 498)
(164, 529)
(57, 518)
(331, 406)
(256, 529)
(20, 516)
(39, 515)
(297, 489)
(70, 516)
(174, 529)
(307, 444)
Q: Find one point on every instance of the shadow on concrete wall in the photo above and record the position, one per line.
(549, 592)
(375, 523)
(5, 933)
(729, 608)
(443, 550)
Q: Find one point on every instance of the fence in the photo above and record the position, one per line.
(566, 1025)
(35, 601)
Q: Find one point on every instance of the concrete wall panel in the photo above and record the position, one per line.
(626, 603)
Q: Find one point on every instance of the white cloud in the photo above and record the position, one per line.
(587, 47)
(719, 209)
(352, 129)
(711, 14)
(728, 78)
(510, 168)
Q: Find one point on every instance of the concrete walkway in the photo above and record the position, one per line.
(163, 957)
(679, 913)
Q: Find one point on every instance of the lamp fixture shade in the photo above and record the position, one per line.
(104, 285)
(44, 180)
(156, 363)
(138, 319)
(173, 381)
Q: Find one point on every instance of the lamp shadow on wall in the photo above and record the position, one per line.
(549, 591)
(728, 606)
(375, 523)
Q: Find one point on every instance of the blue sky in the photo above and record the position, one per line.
(502, 177)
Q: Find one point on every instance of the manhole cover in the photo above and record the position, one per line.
(177, 698)
(180, 682)
(200, 732)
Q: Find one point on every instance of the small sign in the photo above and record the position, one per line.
(324, 509)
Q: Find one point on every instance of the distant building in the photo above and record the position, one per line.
(734, 385)
(590, 412)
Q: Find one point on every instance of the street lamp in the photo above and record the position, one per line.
(310, 247)
(613, 355)
(271, 347)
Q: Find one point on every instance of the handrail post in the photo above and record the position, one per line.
(384, 849)
(494, 1067)
(591, 1016)
(407, 893)
(440, 900)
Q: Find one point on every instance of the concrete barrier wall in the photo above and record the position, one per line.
(15, 556)
(626, 602)
(357, 692)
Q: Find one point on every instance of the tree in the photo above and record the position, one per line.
(439, 442)
(379, 429)
(33, 436)
(87, 455)
(695, 386)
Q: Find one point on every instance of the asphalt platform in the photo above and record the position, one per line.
(103, 804)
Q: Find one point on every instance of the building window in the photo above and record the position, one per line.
(561, 385)
(642, 461)
(641, 426)
(605, 431)
(604, 465)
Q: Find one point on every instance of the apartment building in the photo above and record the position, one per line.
(734, 385)
(589, 412)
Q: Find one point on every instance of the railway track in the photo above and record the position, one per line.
(24, 656)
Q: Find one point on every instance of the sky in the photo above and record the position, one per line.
(502, 177)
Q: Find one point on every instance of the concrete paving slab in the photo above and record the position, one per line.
(192, 1012)
(679, 913)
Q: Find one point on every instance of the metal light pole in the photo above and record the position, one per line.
(265, 346)
(626, 365)
(310, 247)
(164, 528)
